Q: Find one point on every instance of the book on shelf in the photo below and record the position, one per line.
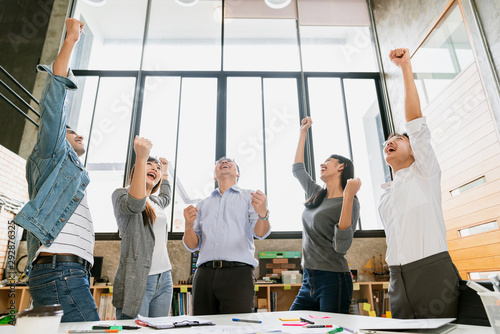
(110, 309)
(182, 304)
(102, 306)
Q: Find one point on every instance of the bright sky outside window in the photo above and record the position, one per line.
(335, 37)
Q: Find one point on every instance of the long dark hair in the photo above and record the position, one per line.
(148, 214)
(347, 173)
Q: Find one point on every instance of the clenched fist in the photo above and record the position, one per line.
(259, 203)
(190, 216)
(400, 57)
(352, 187)
(142, 147)
(74, 29)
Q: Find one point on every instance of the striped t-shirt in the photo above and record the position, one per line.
(76, 237)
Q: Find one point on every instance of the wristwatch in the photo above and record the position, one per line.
(266, 217)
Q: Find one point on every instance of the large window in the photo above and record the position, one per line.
(443, 56)
(201, 87)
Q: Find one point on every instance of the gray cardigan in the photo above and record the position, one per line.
(136, 248)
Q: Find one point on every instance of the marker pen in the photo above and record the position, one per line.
(318, 326)
(248, 320)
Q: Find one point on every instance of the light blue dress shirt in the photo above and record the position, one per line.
(225, 227)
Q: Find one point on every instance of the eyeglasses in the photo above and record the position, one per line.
(224, 159)
(393, 139)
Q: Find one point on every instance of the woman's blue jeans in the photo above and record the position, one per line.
(324, 291)
(157, 298)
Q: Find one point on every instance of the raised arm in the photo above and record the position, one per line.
(310, 187)
(142, 147)
(73, 31)
(401, 58)
(259, 203)
(350, 191)
(164, 196)
(52, 131)
(190, 237)
(305, 125)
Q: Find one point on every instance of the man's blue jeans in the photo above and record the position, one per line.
(325, 291)
(66, 284)
(157, 298)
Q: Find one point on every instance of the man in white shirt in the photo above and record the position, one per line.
(423, 278)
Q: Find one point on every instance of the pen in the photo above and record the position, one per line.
(306, 320)
(348, 330)
(115, 327)
(336, 330)
(93, 331)
(248, 320)
(318, 326)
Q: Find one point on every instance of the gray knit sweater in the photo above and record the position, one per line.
(323, 244)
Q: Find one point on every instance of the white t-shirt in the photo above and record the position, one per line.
(76, 237)
(161, 261)
(411, 207)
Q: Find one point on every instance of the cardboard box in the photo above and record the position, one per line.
(291, 277)
(274, 263)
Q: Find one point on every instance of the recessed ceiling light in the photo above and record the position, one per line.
(187, 3)
(95, 3)
(277, 4)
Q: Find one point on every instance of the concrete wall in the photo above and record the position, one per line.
(24, 27)
(361, 251)
(358, 255)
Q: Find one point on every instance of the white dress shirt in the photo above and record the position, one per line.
(411, 207)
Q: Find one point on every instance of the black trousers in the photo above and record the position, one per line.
(427, 288)
(223, 290)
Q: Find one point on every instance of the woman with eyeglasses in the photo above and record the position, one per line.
(329, 221)
(143, 280)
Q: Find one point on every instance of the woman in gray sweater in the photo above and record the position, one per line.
(329, 221)
(143, 280)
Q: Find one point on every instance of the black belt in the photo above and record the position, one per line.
(223, 264)
(63, 258)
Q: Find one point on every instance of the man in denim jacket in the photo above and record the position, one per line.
(57, 218)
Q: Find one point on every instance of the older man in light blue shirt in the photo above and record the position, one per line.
(223, 227)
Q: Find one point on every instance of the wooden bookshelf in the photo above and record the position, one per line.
(285, 294)
(367, 290)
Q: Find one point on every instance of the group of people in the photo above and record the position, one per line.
(423, 279)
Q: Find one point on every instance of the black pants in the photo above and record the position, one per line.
(427, 288)
(223, 290)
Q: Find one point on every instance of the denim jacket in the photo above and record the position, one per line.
(56, 177)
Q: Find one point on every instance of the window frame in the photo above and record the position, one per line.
(221, 119)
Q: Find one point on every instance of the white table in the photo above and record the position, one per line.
(270, 321)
